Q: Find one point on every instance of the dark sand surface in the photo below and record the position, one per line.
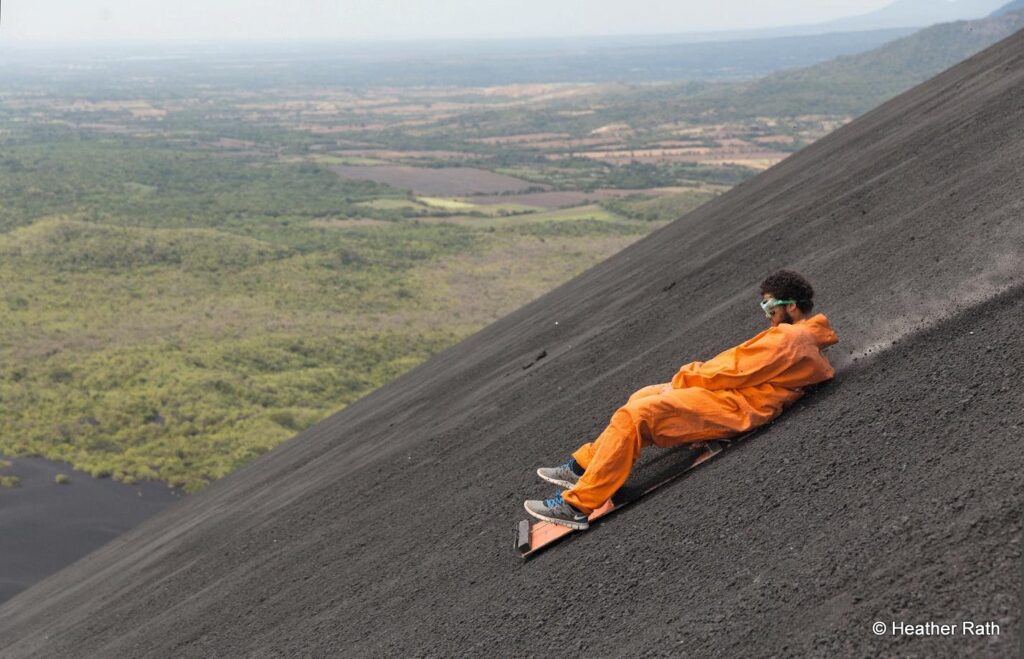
(45, 526)
(892, 493)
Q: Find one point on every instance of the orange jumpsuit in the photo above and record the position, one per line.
(741, 388)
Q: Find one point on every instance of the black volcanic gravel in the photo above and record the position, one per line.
(892, 493)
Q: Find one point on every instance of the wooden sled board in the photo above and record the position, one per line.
(533, 535)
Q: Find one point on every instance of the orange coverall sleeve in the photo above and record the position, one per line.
(753, 362)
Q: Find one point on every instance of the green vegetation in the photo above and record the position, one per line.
(141, 353)
(140, 184)
(187, 413)
(658, 209)
(167, 365)
(9, 481)
(179, 324)
(62, 479)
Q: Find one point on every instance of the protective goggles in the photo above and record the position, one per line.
(768, 305)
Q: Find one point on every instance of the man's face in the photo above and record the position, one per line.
(779, 313)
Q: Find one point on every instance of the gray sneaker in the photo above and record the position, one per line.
(557, 511)
(561, 475)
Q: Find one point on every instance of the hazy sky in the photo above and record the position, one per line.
(73, 20)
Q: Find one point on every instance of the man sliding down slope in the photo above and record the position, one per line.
(742, 388)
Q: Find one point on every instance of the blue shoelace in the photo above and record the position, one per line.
(555, 502)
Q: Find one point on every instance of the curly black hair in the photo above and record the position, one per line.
(789, 285)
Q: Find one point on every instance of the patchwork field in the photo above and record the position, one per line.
(750, 156)
(442, 181)
(563, 198)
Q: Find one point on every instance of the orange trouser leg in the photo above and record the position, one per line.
(585, 454)
(608, 461)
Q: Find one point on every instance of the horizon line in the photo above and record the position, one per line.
(421, 40)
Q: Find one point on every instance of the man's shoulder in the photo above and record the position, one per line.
(786, 334)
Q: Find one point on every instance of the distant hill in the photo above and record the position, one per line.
(855, 84)
(1016, 5)
(848, 85)
(915, 13)
(899, 14)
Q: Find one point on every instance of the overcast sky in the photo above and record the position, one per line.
(74, 20)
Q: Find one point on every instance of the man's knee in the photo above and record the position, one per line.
(652, 390)
(631, 427)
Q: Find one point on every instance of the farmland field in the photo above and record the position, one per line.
(439, 181)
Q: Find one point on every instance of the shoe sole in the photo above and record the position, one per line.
(579, 526)
(566, 484)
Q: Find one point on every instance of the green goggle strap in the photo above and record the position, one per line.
(768, 304)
